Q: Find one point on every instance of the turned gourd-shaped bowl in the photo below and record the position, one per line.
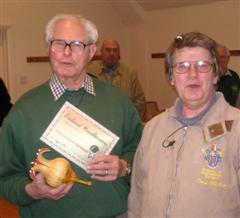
(56, 171)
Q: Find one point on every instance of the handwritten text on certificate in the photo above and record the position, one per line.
(77, 136)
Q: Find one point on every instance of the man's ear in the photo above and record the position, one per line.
(215, 80)
(93, 49)
(48, 49)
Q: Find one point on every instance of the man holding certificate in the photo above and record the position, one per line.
(89, 123)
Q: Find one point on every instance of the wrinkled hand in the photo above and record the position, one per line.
(107, 167)
(38, 189)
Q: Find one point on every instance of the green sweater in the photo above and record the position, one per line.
(20, 141)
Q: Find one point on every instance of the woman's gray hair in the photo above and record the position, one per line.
(191, 39)
(90, 27)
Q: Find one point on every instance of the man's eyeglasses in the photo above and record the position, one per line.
(59, 45)
(199, 66)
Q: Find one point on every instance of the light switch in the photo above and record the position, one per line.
(23, 79)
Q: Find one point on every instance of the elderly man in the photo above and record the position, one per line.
(71, 45)
(111, 70)
(229, 81)
(188, 162)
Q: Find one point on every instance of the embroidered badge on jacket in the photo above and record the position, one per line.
(213, 156)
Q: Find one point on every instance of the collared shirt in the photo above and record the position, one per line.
(228, 73)
(111, 71)
(58, 88)
(192, 121)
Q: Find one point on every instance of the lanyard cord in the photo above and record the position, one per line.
(166, 143)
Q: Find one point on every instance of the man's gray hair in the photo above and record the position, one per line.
(90, 27)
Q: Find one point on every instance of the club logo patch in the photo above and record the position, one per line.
(212, 156)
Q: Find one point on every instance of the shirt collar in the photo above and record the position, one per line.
(58, 88)
(191, 121)
(228, 73)
(111, 71)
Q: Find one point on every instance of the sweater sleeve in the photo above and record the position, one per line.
(13, 171)
(132, 133)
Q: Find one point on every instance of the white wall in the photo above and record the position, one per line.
(26, 21)
(220, 20)
(27, 18)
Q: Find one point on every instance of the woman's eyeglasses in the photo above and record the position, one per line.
(199, 66)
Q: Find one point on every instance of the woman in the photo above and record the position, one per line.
(187, 163)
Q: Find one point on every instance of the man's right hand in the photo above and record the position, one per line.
(38, 189)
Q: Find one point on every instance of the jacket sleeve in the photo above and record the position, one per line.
(132, 87)
(138, 97)
(5, 101)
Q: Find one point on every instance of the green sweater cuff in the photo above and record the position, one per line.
(24, 198)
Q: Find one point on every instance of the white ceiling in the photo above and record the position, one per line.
(130, 11)
(149, 5)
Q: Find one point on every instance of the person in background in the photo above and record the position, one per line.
(71, 41)
(187, 163)
(238, 101)
(111, 70)
(5, 101)
(229, 81)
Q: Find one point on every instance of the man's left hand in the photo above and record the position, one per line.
(107, 167)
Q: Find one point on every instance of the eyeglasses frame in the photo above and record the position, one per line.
(190, 64)
(68, 44)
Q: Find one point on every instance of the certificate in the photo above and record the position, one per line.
(77, 136)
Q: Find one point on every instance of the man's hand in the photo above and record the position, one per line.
(107, 167)
(38, 189)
